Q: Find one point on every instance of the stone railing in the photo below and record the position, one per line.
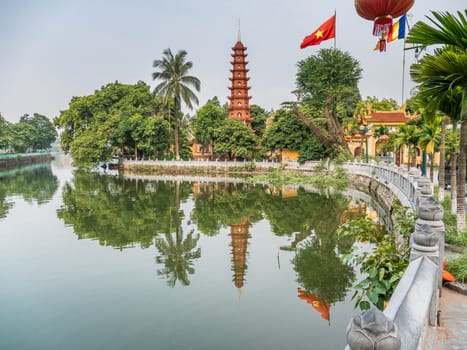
(413, 307)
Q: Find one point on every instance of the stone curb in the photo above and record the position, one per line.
(456, 286)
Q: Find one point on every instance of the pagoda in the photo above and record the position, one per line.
(239, 107)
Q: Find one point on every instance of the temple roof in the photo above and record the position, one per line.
(385, 117)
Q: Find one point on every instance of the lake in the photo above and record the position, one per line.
(92, 261)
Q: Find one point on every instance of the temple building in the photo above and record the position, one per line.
(239, 107)
(370, 121)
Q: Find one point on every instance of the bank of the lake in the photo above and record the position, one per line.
(8, 160)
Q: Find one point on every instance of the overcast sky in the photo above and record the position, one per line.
(52, 50)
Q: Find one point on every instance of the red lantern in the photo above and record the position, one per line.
(382, 12)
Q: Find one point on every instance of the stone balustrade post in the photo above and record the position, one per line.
(428, 240)
(430, 213)
(373, 330)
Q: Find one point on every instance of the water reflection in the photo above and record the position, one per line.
(34, 183)
(177, 254)
(123, 213)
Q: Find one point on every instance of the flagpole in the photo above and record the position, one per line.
(335, 27)
(403, 74)
(403, 60)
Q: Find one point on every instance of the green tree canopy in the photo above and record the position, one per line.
(327, 88)
(96, 126)
(234, 140)
(259, 115)
(207, 119)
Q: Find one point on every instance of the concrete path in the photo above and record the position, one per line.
(452, 332)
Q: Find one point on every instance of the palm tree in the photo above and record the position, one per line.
(430, 138)
(443, 71)
(407, 136)
(175, 86)
(452, 145)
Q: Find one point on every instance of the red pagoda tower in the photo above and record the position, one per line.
(239, 100)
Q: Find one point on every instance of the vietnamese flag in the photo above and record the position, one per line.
(326, 31)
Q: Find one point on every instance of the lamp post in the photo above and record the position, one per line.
(365, 129)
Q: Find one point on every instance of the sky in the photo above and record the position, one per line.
(52, 50)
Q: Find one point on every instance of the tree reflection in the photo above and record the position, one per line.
(177, 255)
(320, 270)
(35, 184)
(120, 213)
(221, 205)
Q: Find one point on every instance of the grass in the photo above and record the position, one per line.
(458, 267)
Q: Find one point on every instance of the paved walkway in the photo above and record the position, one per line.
(452, 332)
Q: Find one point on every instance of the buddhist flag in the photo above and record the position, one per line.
(398, 30)
(326, 31)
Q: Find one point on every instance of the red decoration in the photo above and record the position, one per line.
(382, 12)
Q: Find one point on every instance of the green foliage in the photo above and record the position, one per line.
(259, 115)
(285, 132)
(116, 118)
(327, 89)
(382, 267)
(375, 104)
(175, 86)
(330, 80)
(323, 178)
(458, 267)
(404, 219)
(311, 149)
(452, 236)
(234, 140)
(207, 119)
(28, 134)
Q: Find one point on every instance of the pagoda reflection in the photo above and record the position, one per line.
(239, 234)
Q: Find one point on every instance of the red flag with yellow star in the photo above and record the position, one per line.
(326, 31)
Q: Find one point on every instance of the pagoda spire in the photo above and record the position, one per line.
(239, 37)
(239, 107)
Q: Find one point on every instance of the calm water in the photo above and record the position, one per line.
(98, 262)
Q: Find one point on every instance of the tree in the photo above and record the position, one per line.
(327, 89)
(234, 140)
(443, 71)
(175, 85)
(44, 133)
(285, 132)
(375, 104)
(206, 120)
(407, 136)
(97, 126)
(430, 136)
(5, 139)
(259, 116)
